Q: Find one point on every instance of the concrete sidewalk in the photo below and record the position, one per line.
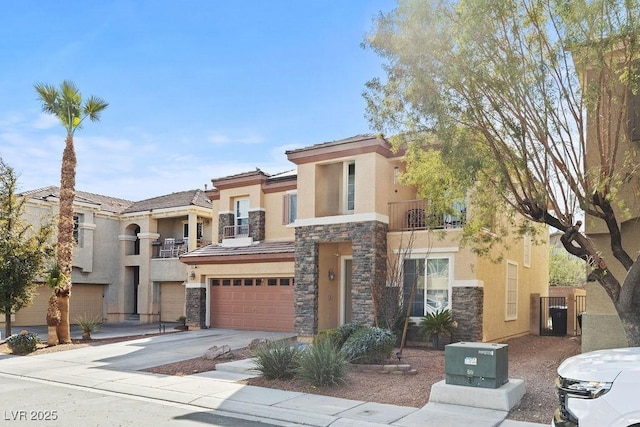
(116, 368)
(107, 330)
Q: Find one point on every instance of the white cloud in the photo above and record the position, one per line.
(46, 121)
(11, 120)
(220, 139)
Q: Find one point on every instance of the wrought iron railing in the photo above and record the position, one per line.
(414, 215)
(235, 231)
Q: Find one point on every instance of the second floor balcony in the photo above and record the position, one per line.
(412, 215)
(171, 247)
(235, 231)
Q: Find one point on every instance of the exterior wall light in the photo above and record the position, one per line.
(331, 274)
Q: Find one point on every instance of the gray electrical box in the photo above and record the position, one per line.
(476, 364)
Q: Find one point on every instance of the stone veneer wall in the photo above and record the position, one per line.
(256, 225)
(224, 220)
(369, 246)
(467, 308)
(196, 307)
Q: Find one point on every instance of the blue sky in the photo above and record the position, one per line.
(197, 89)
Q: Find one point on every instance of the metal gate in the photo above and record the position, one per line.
(581, 307)
(553, 316)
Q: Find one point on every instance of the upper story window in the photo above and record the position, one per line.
(350, 184)
(335, 189)
(199, 230)
(77, 235)
(289, 208)
(242, 217)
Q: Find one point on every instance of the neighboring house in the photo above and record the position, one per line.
(120, 268)
(352, 215)
(602, 327)
(246, 279)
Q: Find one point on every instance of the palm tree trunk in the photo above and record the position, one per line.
(65, 237)
(63, 330)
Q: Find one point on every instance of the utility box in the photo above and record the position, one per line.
(476, 364)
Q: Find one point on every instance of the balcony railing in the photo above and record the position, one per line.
(235, 231)
(413, 215)
(165, 249)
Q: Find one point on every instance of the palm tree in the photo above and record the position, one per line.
(66, 104)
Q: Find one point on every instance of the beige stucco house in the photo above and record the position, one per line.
(121, 269)
(296, 252)
(601, 325)
(299, 251)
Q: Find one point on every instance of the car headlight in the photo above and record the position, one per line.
(586, 389)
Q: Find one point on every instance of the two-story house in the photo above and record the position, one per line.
(612, 132)
(246, 279)
(125, 260)
(351, 216)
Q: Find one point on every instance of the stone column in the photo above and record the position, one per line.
(196, 305)
(467, 304)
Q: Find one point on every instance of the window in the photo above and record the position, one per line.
(526, 242)
(511, 308)
(242, 217)
(199, 230)
(77, 235)
(458, 216)
(351, 187)
(290, 208)
(431, 279)
(76, 223)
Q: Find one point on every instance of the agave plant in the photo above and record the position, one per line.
(434, 325)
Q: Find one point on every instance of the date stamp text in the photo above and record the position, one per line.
(26, 415)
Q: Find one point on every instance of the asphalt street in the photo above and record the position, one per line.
(33, 403)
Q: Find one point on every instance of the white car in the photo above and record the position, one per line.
(599, 388)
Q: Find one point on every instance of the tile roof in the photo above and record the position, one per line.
(291, 174)
(259, 172)
(356, 138)
(259, 248)
(256, 172)
(106, 203)
(173, 200)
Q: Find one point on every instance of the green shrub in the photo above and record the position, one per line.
(332, 335)
(88, 324)
(347, 330)
(436, 325)
(322, 364)
(369, 345)
(276, 360)
(23, 343)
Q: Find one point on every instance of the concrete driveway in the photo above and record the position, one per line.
(161, 349)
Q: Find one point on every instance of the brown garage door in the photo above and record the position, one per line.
(253, 304)
(36, 313)
(172, 300)
(85, 299)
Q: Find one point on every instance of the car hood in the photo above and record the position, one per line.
(601, 365)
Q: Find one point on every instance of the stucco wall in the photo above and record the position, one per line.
(533, 279)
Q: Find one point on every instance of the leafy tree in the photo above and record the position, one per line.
(506, 88)
(67, 105)
(24, 250)
(565, 269)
